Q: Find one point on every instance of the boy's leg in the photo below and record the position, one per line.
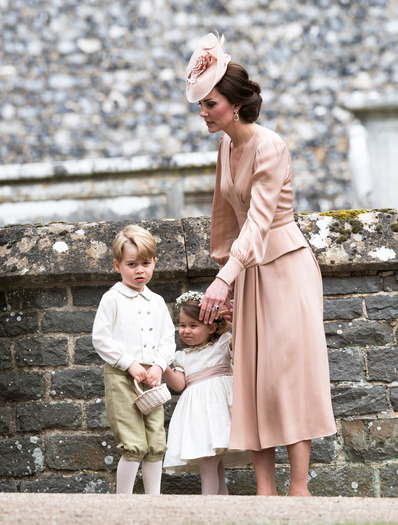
(125, 477)
(152, 476)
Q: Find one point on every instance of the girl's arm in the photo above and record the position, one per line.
(175, 379)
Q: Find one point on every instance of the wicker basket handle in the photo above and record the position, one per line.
(137, 387)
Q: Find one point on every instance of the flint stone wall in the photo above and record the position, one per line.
(107, 79)
(54, 436)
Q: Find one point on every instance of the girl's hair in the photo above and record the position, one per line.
(142, 239)
(191, 309)
(236, 86)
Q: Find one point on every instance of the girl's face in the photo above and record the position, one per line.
(217, 112)
(192, 332)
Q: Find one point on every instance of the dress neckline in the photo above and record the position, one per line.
(233, 176)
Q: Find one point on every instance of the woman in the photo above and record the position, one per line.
(281, 376)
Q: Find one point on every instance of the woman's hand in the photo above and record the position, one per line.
(217, 294)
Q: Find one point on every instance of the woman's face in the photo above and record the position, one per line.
(217, 111)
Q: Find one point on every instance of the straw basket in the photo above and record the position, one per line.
(151, 399)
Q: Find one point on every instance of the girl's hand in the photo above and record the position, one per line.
(137, 371)
(154, 376)
(226, 312)
(216, 295)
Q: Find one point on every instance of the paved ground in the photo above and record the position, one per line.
(99, 509)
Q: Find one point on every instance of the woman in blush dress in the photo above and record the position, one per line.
(281, 392)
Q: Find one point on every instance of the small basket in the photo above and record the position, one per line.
(151, 399)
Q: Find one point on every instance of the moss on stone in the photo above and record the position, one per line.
(343, 215)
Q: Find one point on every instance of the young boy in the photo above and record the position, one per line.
(134, 334)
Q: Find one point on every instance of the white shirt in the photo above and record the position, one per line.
(133, 326)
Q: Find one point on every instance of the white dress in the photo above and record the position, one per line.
(201, 422)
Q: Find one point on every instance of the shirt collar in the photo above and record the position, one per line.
(129, 292)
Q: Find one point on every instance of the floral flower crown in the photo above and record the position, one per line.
(189, 296)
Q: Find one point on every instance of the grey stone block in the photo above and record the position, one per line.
(41, 351)
(5, 354)
(346, 481)
(370, 440)
(21, 457)
(391, 283)
(23, 386)
(44, 297)
(389, 480)
(342, 308)
(340, 334)
(383, 364)
(96, 415)
(88, 295)
(358, 400)
(81, 484)
(382, 307)
(8, 485)
(35, 417)
(81, 451)
(6, 423)
(346, 365)
(77, 383)
(17, 323)
(197, 239)
(394, 398)
(350, 285)
(171, 484)
(85, 353)
(169, 291)
(68, 321)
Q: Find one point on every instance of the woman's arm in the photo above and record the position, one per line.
(175, 379)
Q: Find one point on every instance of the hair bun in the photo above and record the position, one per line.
(256, 86)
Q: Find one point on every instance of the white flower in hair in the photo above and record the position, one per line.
(189, 296)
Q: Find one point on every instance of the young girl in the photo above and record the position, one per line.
(200, 426)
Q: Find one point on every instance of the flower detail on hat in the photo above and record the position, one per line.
(201, 64)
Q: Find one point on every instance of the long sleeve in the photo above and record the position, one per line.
(272, 167)
(105, 343)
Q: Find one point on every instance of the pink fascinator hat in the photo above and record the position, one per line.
(206, 67)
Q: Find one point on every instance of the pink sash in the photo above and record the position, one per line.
(208, 373)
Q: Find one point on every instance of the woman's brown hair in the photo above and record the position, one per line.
(237, 87)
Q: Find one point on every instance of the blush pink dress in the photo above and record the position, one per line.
(281, 392)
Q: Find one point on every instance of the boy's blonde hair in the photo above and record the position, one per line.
(142, 239)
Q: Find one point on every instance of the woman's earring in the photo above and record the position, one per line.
(236, 115)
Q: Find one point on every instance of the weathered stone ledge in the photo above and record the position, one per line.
(342, 241)
(95, 167)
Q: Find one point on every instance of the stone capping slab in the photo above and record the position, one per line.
(342, 241)
(94, 167)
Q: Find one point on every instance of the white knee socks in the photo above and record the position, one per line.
(127, 472)
(125, 477)
(152, 476)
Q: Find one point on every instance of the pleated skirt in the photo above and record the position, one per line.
(281, 390)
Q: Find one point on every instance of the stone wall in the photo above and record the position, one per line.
(54, 436)
(106, 79)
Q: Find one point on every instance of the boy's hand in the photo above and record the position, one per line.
(226, 313)
(154, 375)
(138, 372)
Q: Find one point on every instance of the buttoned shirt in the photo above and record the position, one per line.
(133, 326)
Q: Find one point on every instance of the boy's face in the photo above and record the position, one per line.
(135, 272)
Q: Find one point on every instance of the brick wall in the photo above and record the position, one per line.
(54, 436)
